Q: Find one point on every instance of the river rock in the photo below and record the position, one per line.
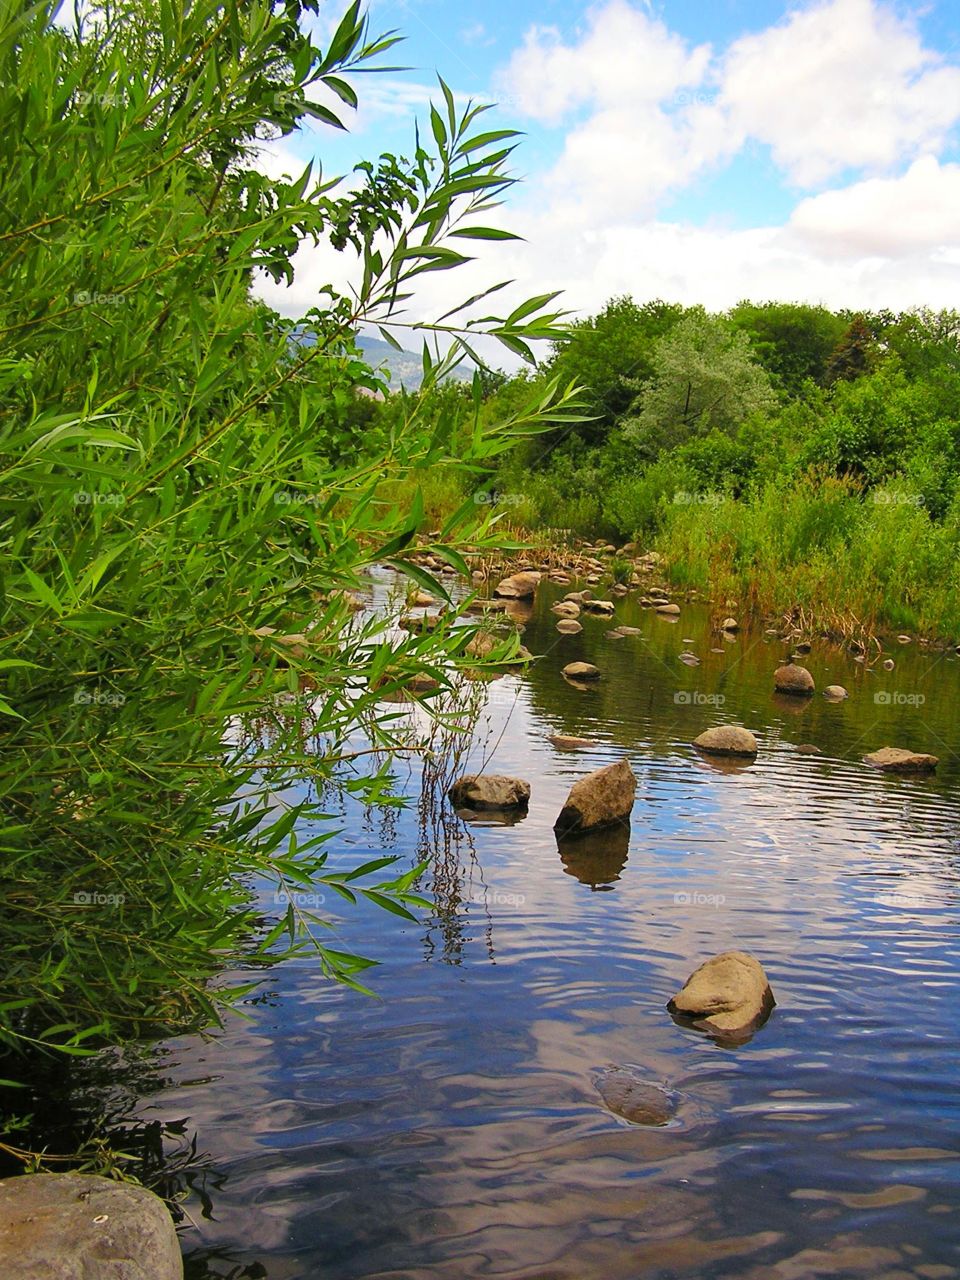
(569, 627)
(896, 760)
(727, 740)
(888, 664)
(602, 608)
(729, 995)
(904, 639)
(793, 679)
(690, 659)
(581, 671)
(566, 609)
(489, 791)
(835, 693)
(519, 586)
(670, 610)
(79, 1226)
(730, 624)
(630, 631)
(565, 743)
(601, 799)
(626, 1093)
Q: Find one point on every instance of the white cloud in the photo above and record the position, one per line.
(884, 217)
(839, 85)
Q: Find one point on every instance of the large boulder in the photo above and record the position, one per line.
(728, 995)
(626, 1093)
(727, 740)
(519, 586)
(793, 679)
(489, 791)
(601, 799)
(896, 760)
(77, 1226)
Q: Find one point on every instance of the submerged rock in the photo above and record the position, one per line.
(835, 693)
(896, 760)
(727, 740)
(728, 995)
(793, 679)
(565, 743)
(489, 791)
(77, 1226)
(601, 799)
(626, 1093)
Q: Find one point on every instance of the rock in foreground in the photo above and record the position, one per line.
(76, 1226)
(627, 1094)
(895, 760)
(489, 791)
(728, 995)
(793, 679)
(601, 799)
(727, 740)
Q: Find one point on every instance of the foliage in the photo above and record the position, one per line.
(187, 482)
(704, 379)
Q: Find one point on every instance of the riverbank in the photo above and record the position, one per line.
(809, 603)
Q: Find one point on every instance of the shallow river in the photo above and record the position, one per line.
(452, 1127)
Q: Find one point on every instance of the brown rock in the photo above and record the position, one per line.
(519, 586)
(627, 1094)
(728, 995)
(602, 608)
(896, 760)
(599, 800)
(793, 679)
(581, 671)
(835, 693)
(670, 610)
(564, 743)
(489, 791)
(727, 740)
(569, 627)
(78, 1226)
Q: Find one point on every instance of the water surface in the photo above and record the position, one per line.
(451, 1128)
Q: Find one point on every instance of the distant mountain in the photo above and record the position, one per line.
(405, 367)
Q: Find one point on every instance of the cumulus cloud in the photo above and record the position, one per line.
(885, 217)
(839, 85)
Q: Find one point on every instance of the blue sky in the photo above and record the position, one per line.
(698, 151)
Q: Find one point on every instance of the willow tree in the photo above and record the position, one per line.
(182, 490)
